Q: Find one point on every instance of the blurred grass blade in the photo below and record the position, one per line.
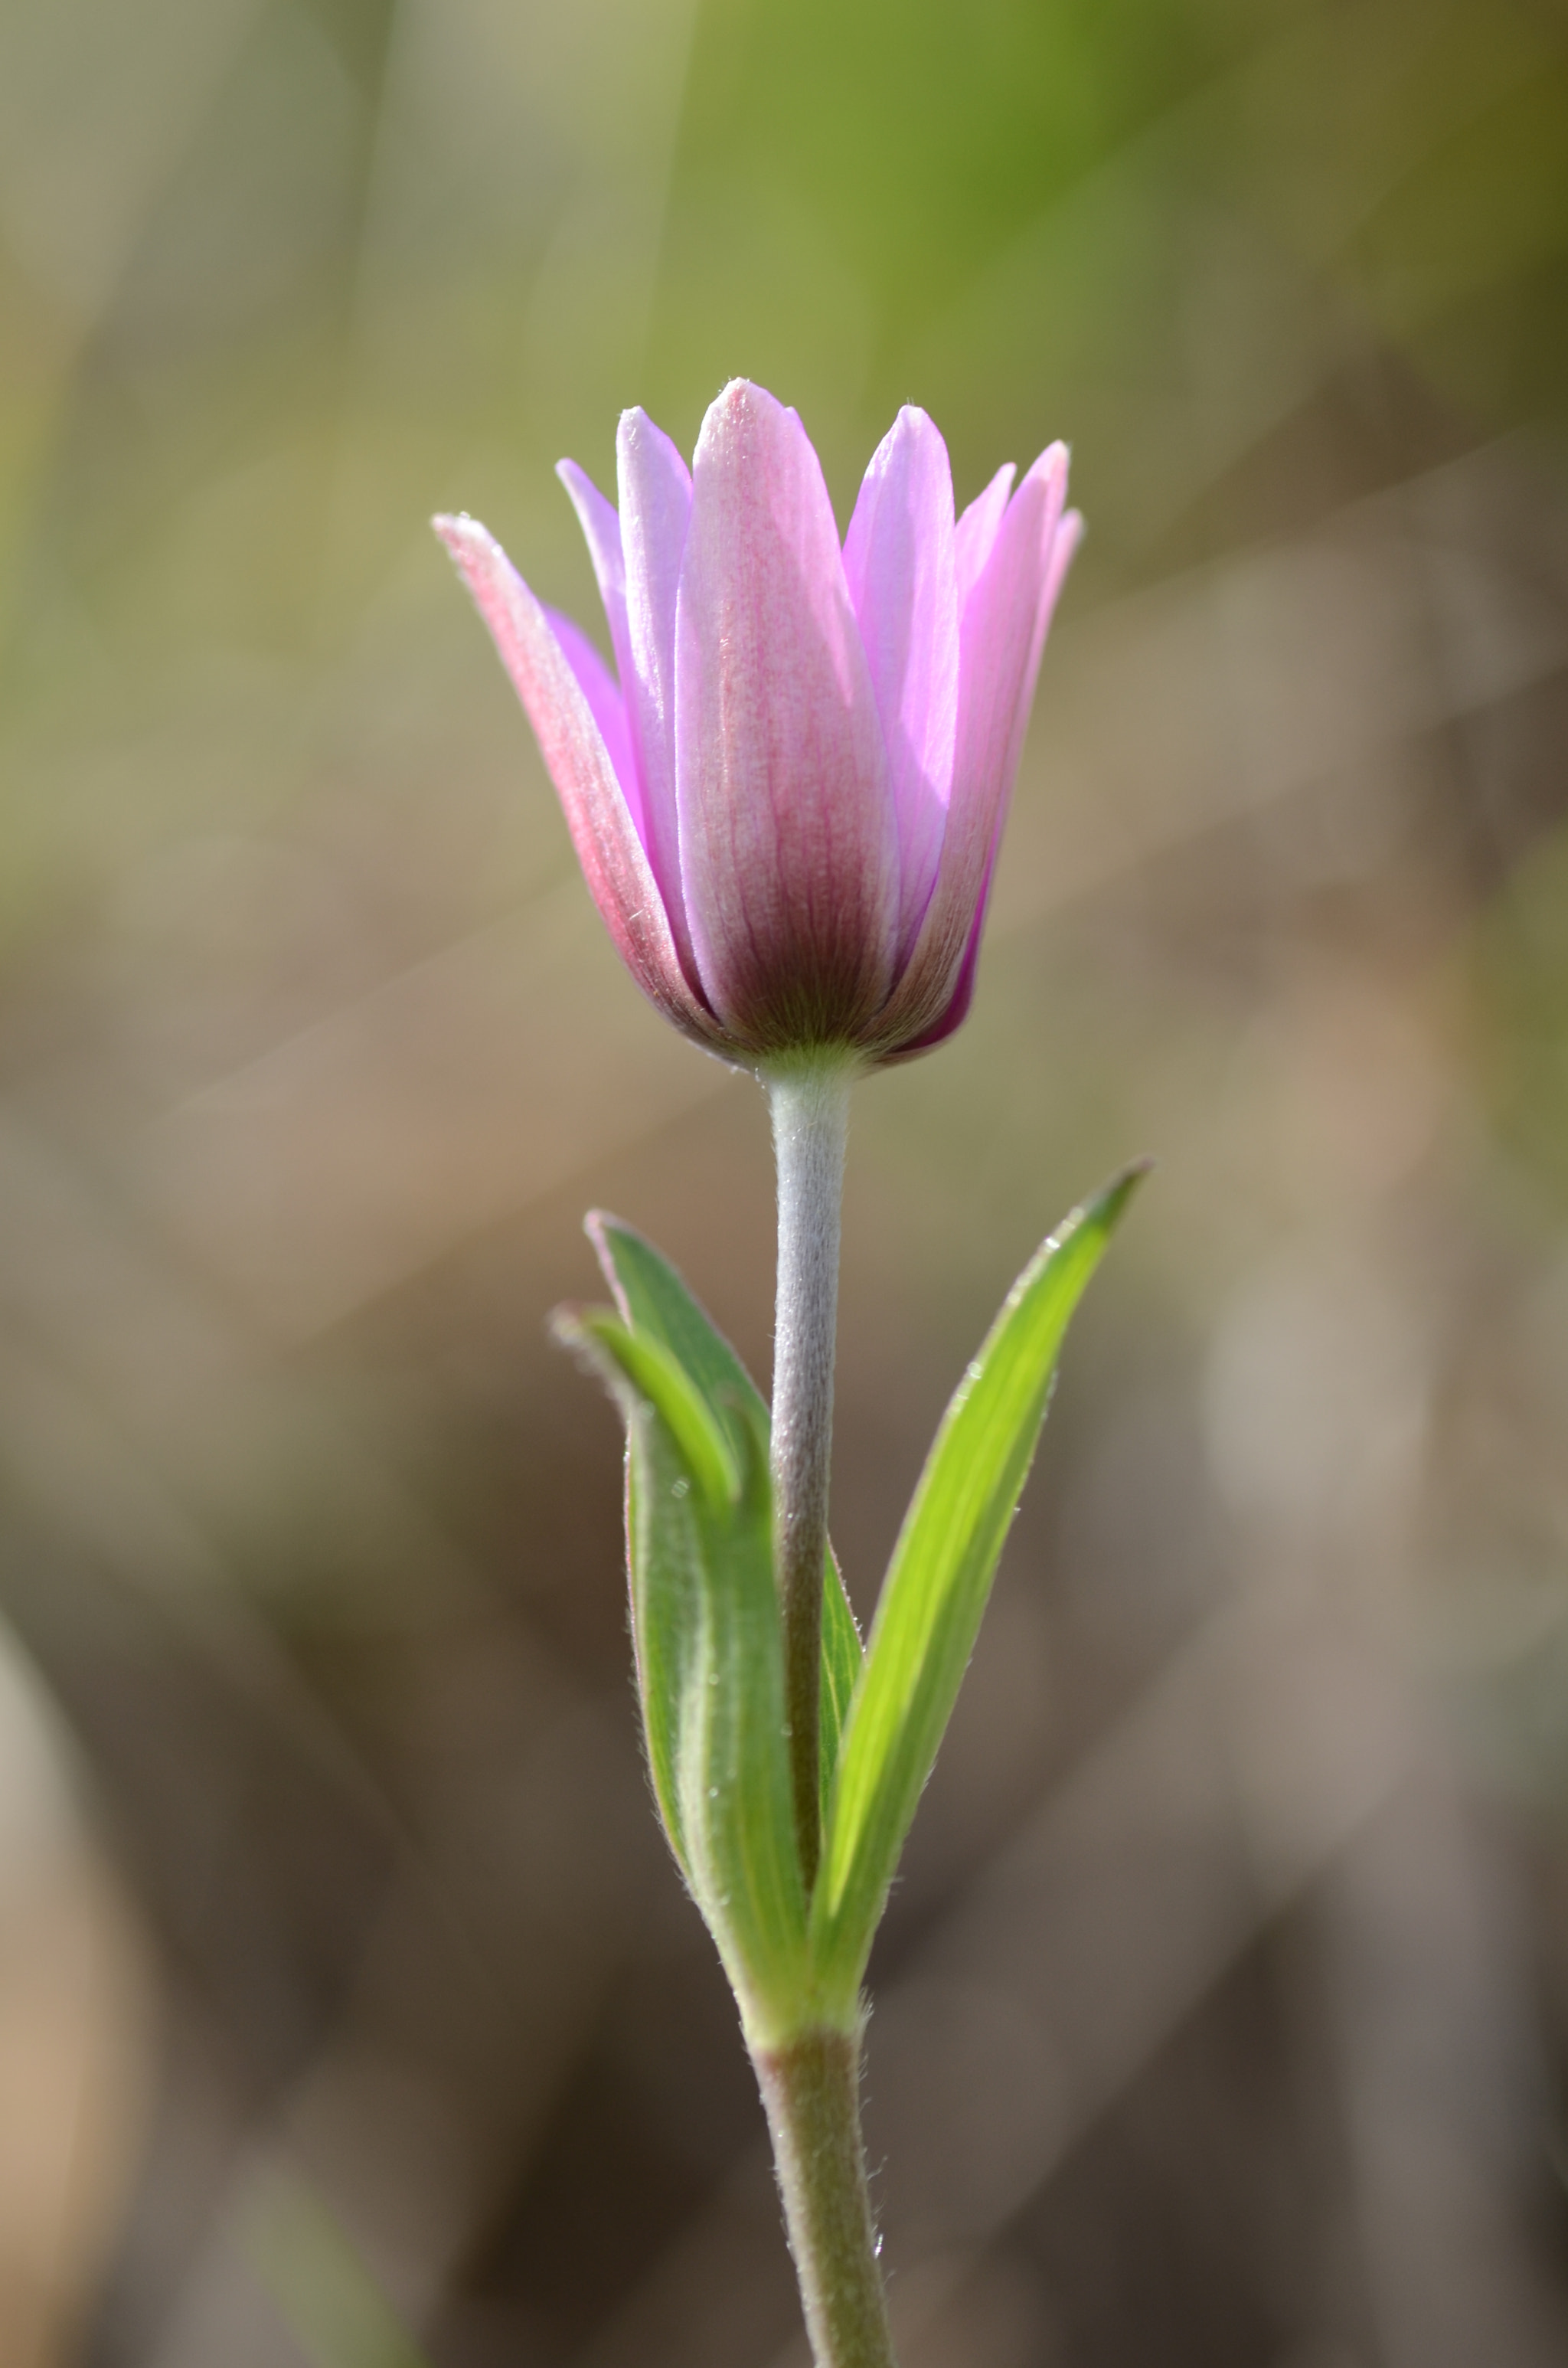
(331, 2303)
(710, 1665)
(656, 1305)
(937, 1588)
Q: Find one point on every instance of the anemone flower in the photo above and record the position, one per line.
(788, 797)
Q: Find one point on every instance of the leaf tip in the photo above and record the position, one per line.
(601, 1228)
(569, 1328)
(1111, 1200)
(591, 1334)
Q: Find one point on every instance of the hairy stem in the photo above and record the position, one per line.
(811, 1108)
(810, 2087)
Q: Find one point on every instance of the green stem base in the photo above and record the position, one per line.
(810, 2087)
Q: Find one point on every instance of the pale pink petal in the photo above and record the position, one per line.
(1003, 634)
(655, 511)
(1068, 535)
(1064, 550)
(601, 532)
(788, 846)
(976, 530)
(898, 561)
(1063, 533)
(580, 765)
(600, 687)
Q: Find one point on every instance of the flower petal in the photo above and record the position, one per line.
(1005, 622)
(788, 846)
(960, 995)
(898, 561)
(976, 530)
(601, 532)
(655, 511)
(1064, 550)
(601, 690)
(1069, 534)
(580, 765)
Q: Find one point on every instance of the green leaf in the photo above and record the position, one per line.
(711, 1666)
(843, 1658)
(936, 1590)
(654, 1301)
(654, 1374)
(656, 1305)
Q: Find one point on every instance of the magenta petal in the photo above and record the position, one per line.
(655, 512)
(580, 765)
(788, 846)
(1003, 634)
(898, 561)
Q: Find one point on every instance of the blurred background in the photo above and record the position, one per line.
(350, 2012)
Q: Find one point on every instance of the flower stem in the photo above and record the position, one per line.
(811, 2083)
(810, 2087)
(811, 1110)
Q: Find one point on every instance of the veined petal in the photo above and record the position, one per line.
(578, 762)
(899, 564)
(1003, 634)
(788, 846)
(960, 992)
(655, 512)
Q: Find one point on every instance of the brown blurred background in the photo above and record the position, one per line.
(350, 2012)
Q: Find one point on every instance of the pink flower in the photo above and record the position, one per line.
(787, 807)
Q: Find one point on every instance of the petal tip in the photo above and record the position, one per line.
(741, 401)
(640, 442)
(1050, 468)
(460, 532)
(918, 422)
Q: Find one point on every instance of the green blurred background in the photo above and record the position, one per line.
(349, 2009)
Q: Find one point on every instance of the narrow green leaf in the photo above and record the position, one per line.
(655, 1375)
(732, 1764)
(842, 1658)
(936, 1590)
(654, 1301)
(710, 1668)
(655, 1304)
(664, 1556)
